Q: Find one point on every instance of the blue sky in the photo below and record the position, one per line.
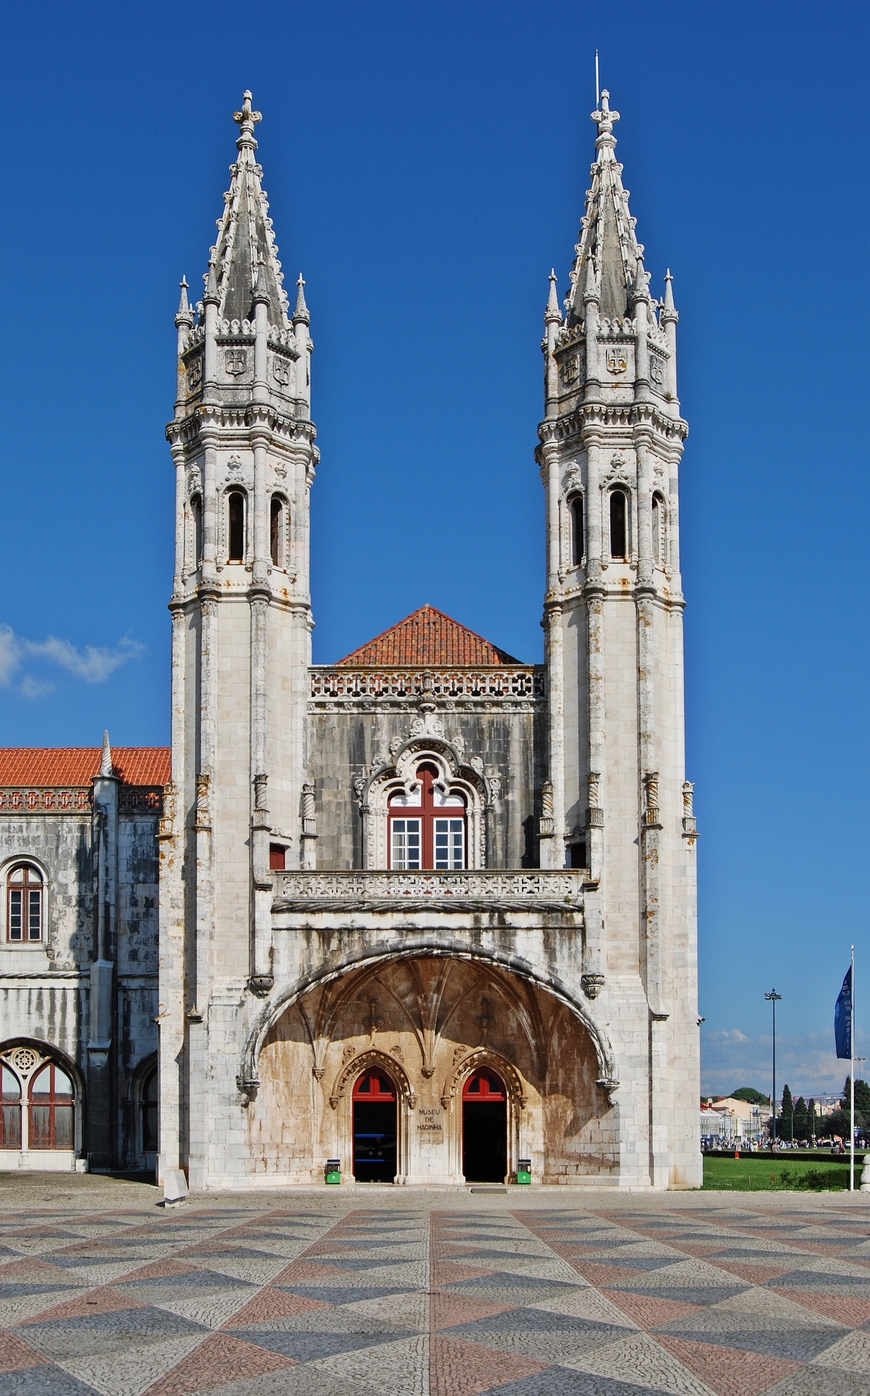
(426, 166)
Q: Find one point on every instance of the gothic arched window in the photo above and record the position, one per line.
(24, 909)
(277, 531)
(619, 524)
(578, 544)
(196, 517)
(10, 1109)
(236, 526)
(658, 528)
(51, 1109)
(427, 826)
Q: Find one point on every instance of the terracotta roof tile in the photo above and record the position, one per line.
(75, 765)
(428, 637)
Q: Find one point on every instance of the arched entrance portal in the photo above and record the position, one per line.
(484, 1127)
(374, 1128)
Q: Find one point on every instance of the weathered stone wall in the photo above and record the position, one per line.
(349, 743)
(45, 989)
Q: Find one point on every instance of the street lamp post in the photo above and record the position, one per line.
(773, 999)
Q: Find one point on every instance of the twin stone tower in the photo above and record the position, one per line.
(428, 912)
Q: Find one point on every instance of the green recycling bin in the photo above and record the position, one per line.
(333, 1170)
(524, 1170)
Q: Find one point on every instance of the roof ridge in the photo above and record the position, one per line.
(488, 653)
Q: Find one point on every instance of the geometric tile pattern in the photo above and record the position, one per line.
(323, 1297)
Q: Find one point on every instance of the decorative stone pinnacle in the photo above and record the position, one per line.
(605, 119)
(247, 119)
(106, 757)
(552, 313)
(183, 315)
(261, 288)
(301, 311)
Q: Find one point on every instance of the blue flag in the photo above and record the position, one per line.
(843, 1018)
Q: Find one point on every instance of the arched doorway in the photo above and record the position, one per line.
(148, 1112)
(374, 1128)
(484, 1127)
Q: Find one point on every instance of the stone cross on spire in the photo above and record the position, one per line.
(604, 116)
(247, 119)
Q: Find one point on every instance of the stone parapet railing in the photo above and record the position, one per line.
(500, 683)
(76, 799)
(475, 890)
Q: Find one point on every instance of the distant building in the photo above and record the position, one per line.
(729, 1120)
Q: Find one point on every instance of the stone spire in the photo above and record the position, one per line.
(300, 314)
(607, 253)
(245, 255)
(106, 757)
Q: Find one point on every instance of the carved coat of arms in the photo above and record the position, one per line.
(281, 370)
(236, 361)
(617, 359)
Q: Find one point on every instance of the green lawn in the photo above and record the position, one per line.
(760, 1173)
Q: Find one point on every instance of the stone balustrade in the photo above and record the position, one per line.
(559, 890)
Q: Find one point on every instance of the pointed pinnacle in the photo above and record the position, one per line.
(211, 290)
(301, 314)
(184, 314)
(590, 289)
(668, 310)
(261, 288)
(552, 314)
(640, 289)
(106, 757)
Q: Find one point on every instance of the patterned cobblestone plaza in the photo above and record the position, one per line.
(380, 1292)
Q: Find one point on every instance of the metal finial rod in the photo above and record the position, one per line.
(597, 84)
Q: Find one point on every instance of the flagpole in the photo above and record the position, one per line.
(852, 1083)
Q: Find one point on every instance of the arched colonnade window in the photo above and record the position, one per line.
(38, 1107)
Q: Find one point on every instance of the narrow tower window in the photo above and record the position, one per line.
(196, 515)
(24, 906)
(236, 507)
(618, 525)
(276, 531)
(658, 522)
(578, 546)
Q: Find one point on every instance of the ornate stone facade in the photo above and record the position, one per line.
(542, 965)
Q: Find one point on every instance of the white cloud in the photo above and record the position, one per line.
(9, 660)
(92, 664)
(35, 688)
(729, 1058)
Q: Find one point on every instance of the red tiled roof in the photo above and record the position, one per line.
(74, 765)
(428, 637)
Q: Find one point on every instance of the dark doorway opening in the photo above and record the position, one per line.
(484, 1128)
(374, 1128)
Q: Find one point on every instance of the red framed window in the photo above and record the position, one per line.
(10, 1110)
(428, 826)
(374, 1086)
(484, 1084)
(24, 906)
(51, 1109)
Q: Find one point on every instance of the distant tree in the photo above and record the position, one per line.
(811, 1118)
(785, 1125)
(862, 1103)
(750, 1094)
(837, 1124)
(801, 1129)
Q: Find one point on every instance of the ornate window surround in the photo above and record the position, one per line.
(7, 868)
(401, 777)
